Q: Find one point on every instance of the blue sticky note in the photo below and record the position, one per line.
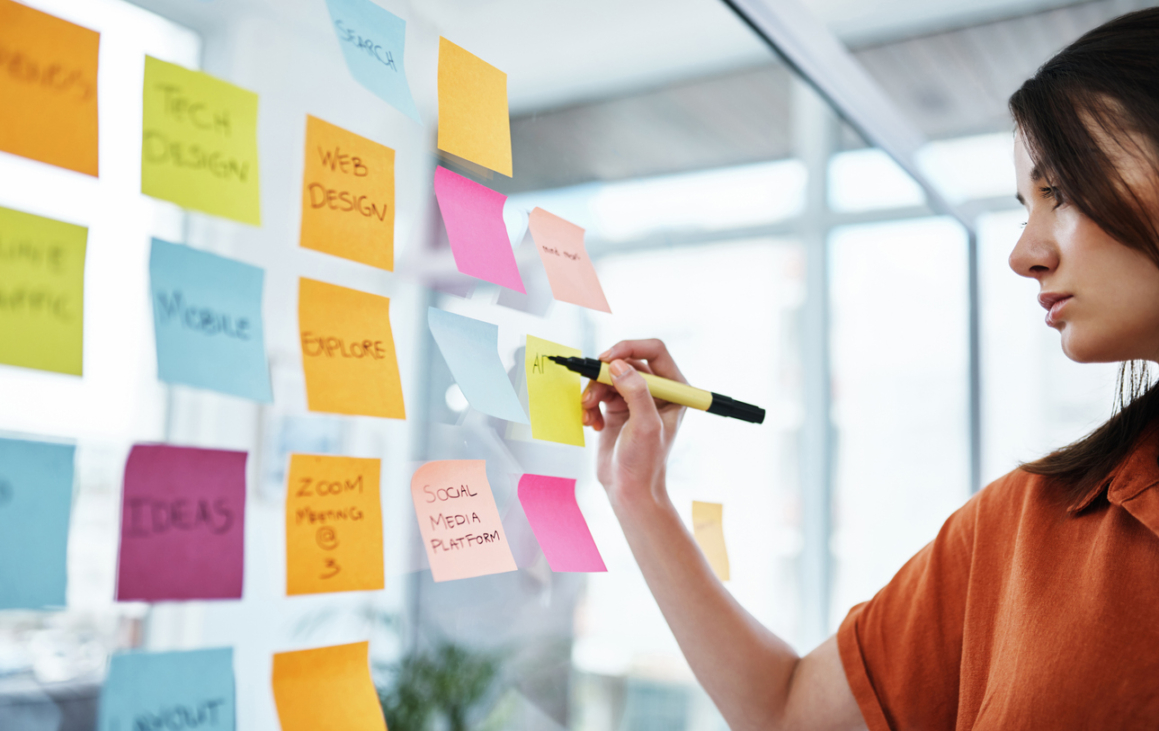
(169, 690)
(207, 313)
(471, 349)
(35, 503)
(372, 41)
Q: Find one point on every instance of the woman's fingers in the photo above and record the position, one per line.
(653, 351)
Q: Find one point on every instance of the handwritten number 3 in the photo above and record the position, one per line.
(333, 567)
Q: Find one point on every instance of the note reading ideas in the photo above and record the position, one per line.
(327, 689)
(569, 270)
(151, 691)
(708, 529)
(348, 196)
(48, 81)
(35, 504)
(199, 142)
(207, 315)
(372, 41)
(42, 275)
(471, 349)
(459, 522)
(348, 351)
(473, 117)
(553, 393)
(182, 524)
(558, 524)
(473, 217)
(333, 525)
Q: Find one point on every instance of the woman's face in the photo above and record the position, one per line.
(1101, 296)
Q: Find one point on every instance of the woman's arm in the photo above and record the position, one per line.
(754, 677)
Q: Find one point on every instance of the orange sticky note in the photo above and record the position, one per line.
(333, 525)
(458, 520)
(708, 529)
(348, 351)
(48, 88)
(348, 196)
(569, 269)
(327, 689)
(473, 116)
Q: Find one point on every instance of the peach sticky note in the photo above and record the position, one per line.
(199, 142)
(708, 528)
(348, 196)
(48, 84)
(458, 520)
(473, 117)
(333, 525)
(348, 351)
(553, 393)
(569, 269)
(473, 217)
(327, 689)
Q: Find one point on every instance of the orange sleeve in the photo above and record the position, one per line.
(902, 650)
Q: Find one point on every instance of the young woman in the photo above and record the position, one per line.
(1037, 605)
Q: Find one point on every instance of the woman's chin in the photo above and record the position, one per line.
(1083, 348)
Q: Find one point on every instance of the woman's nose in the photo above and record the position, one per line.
(1034, 255)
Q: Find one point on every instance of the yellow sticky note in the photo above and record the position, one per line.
(708, 528)
(199, 142)
(333, 525)
(348, 351)
(348, 196)
(327, 689)
(48, 88)
(42, 281)
(473, 117)
(553, 393)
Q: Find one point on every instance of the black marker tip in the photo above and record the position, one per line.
(557, 359)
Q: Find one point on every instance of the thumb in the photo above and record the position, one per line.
(631, 386)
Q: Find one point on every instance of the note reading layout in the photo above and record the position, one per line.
(471, 349)
(48, 81)
(473, 217)
(458, 520)
(327, 689)
(569, 269)
(473, 116)
(558, 524)
(373, 41)
(348, 196)
(708, 529)
(553, 393)
(147, 691)
(199, 143)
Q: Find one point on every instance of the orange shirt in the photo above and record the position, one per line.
(1023, 613)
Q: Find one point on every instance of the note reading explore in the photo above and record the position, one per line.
(199, 142)
(42, 276)
(48, 81)
(327, 689)
(569, 270)
(470, 348)
(473, 116)
(182, 524)
(459, 522)
(35, 504)
(473, 217)
(372, 41)
(348, 351)
(155, 691)
(558, 524)
(348, 196)
(333, 525)
(553, 393)
(708, 529)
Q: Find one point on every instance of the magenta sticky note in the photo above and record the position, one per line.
(182, 524)
(473, 217)
(558, 524)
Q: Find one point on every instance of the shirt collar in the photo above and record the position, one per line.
(1136, 472)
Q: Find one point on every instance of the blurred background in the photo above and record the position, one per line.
(860, 294)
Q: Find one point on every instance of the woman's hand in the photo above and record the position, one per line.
(636, 430)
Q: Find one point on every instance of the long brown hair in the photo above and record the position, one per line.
(1099, 93)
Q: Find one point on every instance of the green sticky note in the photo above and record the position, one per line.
(199, 142)
(42, 283)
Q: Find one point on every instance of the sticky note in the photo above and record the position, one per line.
(553, 393)
(473, 118)
(327, 689)
(473, 217)
(569, 269)
(48, 81)
(708, 528)
(348, 351)
(199, 142)
(207, 315)
(145, 691)
(182, 524)
(333, 525)
(459, 522)
(372, 42)
(35, 503)
(558, 524)
(471, 349)
(42, 281)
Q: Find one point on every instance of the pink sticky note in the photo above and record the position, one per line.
(473, 216)
(569, 269)
(182, 524)
(462, 532)
(559, 526)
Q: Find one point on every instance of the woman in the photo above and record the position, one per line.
(1037, 605)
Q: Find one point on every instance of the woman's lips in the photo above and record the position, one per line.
(1053, 303)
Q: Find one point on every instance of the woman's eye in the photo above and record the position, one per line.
(1054, 194)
